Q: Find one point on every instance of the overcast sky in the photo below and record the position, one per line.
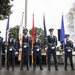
(52, 8)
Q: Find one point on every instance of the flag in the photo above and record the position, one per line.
(6, 37)
(20, 37)
(45, 31)
(45, 35)
(32, 35)
(33, 28)
(21, 30)
(7, 29)
(62, 31)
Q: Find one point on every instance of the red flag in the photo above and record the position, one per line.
(33, 28)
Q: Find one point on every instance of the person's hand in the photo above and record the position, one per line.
(16, 53)
(5, 51)
(20, 49)
(46, 47)
(31, 52)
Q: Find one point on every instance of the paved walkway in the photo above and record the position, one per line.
(17, 71)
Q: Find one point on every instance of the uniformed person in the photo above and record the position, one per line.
(68, 51)
(3, 47)
(37, 51)
(3, 52)
(30, 50)
(11, 51)
(25, 49)
(52, 43)
(1, 42)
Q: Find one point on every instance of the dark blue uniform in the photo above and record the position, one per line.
(52, 42)
(25, 51)
(11, 53)
(37, 51)
(1, 42)
(68, 53)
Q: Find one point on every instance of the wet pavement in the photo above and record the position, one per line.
(45, 71)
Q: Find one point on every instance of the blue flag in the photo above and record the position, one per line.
(62, 31)
(7, 28)
(45, 32)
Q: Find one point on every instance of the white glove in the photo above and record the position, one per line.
(69, 50)
(5, 51)
(45, 48)
(16, 53)
(20, 49)
(63, 52)
(31, 52)
(53, 47)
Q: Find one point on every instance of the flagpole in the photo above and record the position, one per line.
(64, 42)
(6, 38)
(7, 33)
(20, 39)
(45, 35)
(26, 1)
(32, 52)
(62, 34)
(32, 37)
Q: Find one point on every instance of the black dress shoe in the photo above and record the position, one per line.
(7, 68)
(49, 69)
(27, 68)
(66, 69)
(21, 68)
(34, 69)
(12, 69)
(56, 69)
(41, 68)
(73, 69)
